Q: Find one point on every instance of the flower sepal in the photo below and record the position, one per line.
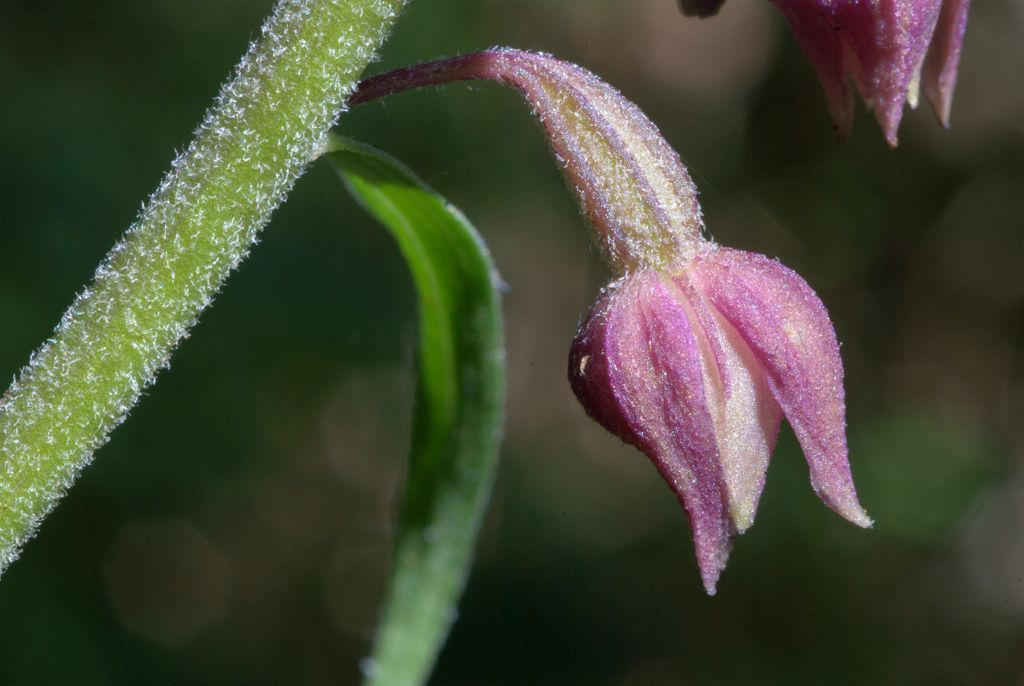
(696, 366)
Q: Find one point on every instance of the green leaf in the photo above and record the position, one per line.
(459, 410)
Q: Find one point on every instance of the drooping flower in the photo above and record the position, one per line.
(696, 364)
(694, 352)
(889, 49)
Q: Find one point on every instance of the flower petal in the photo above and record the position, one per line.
(589, 373)
(881, 44)
(814, 30)
(938, 76)
(635, 366)
(892, 62)
(743, 409)
(788, 328)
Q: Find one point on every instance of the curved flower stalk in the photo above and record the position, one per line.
(694, 352)
(890, 49)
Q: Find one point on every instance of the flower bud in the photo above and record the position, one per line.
(696, 365)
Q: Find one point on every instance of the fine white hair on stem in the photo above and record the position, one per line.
(268, 122)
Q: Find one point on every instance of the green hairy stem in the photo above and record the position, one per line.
(267, 123)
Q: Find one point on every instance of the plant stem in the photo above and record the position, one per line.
(631, 185)
(267, 123)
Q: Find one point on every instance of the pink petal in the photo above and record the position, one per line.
(787, 327)
(814, 31)
(881, 44)
(635, 366)
(744, 411)
(938, 76)
(902, 30)
(589, 373)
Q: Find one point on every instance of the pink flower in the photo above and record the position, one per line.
(888, 48)
(695, 352)
(695, 364)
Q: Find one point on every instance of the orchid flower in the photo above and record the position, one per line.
(889, 49)
(695, 351)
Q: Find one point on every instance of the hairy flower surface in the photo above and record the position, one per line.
(695, 352)
(696, 364)
(888, 48)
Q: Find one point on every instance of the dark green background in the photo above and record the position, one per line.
(236, 528)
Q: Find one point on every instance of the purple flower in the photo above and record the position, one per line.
(695, 365)
(695, 352)
(888, 48)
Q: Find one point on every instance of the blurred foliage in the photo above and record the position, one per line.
(459, 415)
(237, 529)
